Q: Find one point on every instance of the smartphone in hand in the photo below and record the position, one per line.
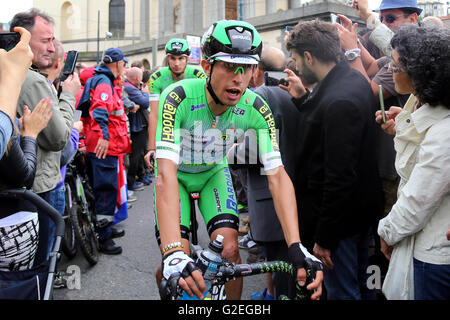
(69, 64)
(334, 18)
(274, 78)
(9, 40)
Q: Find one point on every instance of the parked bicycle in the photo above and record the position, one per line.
(80, 208)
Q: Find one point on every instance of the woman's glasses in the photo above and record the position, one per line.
(392, 67)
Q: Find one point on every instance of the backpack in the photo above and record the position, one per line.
(84, 105)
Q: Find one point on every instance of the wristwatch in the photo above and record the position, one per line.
(352, 54)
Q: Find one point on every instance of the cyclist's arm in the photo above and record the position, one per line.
(283, 195)
(168, 202)
(153, 122)
(285, 204)
(167, 193)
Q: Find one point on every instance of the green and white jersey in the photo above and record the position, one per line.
(162, 78)
(189, 134)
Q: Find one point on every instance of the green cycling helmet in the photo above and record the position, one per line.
(232, 41)
(178, 47)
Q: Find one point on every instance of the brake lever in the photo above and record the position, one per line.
(169, 289)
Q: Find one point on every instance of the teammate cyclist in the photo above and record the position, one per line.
(197, 121)
(177, 53)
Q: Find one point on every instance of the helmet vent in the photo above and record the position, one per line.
(241, 40)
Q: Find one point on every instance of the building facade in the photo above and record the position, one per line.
(437, 8)
(142, 27)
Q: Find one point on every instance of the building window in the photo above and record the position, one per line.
(66, 14)
(231, 9)
(117, 18)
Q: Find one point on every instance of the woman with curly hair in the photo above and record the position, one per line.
(413, 235)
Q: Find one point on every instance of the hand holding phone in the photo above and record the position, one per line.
(275, 78)
(69, 64)
(13, 70)
(334, 18)
(9, 40)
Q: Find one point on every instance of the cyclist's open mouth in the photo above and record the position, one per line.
(233, 93)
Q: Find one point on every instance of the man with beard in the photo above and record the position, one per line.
(338, 188)
(177, 53)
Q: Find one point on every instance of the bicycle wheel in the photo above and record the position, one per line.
(84, 228)
(69, 241)
(86, 237)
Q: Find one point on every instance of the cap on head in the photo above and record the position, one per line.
(399, 4)
(178, 47)
(232, 41)
(114, 55)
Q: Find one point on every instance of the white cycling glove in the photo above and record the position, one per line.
(177, 262)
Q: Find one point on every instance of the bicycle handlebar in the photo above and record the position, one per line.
(169, 289)
(230, 271)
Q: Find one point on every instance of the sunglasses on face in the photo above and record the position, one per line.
(390, 18)
(234, 67)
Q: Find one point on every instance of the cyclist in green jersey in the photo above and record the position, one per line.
(198, 121)
(177, 52)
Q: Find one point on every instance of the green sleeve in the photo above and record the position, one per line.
(171, 108)
(263, 122)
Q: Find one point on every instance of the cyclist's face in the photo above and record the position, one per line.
(229, 80)
(177, 64)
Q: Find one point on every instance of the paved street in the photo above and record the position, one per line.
(131, 275)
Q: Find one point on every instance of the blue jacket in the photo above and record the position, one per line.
(140, 98)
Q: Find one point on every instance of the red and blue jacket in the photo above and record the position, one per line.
(103, 113)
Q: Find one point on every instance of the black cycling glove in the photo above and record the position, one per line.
(298, 255)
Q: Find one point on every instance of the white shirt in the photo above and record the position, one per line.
(422, 143)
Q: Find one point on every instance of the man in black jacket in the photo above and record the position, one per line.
(338, 187)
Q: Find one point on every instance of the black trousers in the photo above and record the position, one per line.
(138, 148)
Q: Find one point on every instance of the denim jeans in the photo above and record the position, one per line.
(56, 199)
(348, 279)
(431, 281)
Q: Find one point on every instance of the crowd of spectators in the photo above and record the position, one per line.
(362, 179)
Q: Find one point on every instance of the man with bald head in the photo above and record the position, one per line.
(272, 59)
(138, 128)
